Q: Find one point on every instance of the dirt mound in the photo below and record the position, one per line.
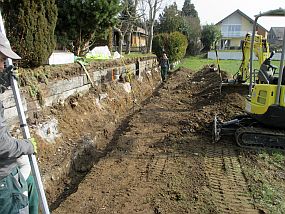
(206, 98)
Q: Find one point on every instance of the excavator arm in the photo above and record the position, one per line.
(261, 51)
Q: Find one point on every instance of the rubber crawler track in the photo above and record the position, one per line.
(251, 137)
(227, 183)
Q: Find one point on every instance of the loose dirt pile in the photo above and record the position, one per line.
(158, 158)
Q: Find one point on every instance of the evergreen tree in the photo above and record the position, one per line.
(170, 19)
(191, 27)
(174, 44)
(80, 21)
(186, 21)
(30, 26)
(189, 9)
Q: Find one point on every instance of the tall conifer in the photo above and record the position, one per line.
(30, 26)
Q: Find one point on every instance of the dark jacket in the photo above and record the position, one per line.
(164, 62)
(10, 148)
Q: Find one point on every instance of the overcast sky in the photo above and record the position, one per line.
(212, 11)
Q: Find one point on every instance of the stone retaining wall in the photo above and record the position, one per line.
(57, 91)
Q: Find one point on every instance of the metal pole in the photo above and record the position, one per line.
(278, 12)
(277, 101)
(251, 55)
(26, 133)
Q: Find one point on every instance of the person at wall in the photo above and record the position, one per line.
(164, 66)
(13, 186)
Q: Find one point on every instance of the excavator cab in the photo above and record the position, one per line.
(263, 124)
(267, 71)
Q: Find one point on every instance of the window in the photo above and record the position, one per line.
(234, 28)
(231, 30)
(262, 95)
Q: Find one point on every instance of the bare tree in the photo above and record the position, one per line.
(133, 17)
(126, 24)
(153, 7)
(147, 11)
(121, 29)
(142, 10)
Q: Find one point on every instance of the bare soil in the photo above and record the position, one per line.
(157, 156)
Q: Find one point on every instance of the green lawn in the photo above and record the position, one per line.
(230, 66)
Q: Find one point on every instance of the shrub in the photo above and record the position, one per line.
(210, 34)
(174, 44)
(177, 46)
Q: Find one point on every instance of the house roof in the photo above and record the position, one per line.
(245, 16)
(140, 30)
(278, 31)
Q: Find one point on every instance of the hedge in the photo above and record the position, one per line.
(174, 44)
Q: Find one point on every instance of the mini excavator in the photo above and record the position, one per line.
(263, 125)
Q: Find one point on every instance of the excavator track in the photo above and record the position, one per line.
(252, 137)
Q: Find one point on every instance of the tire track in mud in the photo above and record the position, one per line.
(226, 181)
(156, 167)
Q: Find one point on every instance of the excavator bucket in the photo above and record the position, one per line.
(224, 128)
(232, 87)
(229, 85)
(216, 130)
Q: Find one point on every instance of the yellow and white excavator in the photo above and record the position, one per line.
(263, 125)
(261, 51)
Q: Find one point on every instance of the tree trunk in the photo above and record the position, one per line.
(121, 39)
(128, 45)
(110, 39)
(77, 49)
(154, 6)
(150, 37)
(145, 48)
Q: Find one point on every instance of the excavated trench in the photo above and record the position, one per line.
(88, 155)
(89, 127)
(84, 158)
(149, 151)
